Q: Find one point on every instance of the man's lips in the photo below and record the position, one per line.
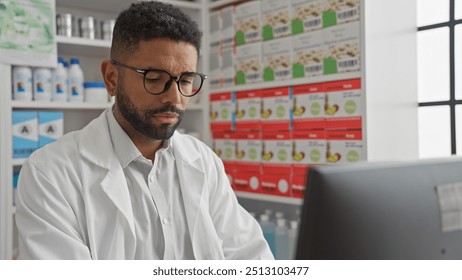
(167, 117)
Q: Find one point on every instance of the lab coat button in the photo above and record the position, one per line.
(165, 221)
(151, 179)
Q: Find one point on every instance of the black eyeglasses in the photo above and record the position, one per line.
(158, 81)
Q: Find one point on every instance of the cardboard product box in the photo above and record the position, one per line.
(276, 19)
(298, 185)
(227, 28)
(230, 173)
(247, 181)
(224, 146)
(249, 64)
(308, 108)
(51, 126)
(215, 28)
(222, 109)
(248, 151)
(25, 133)
(277, 59)
(340, 12)
(342, 51)
(276, 109)
(277, 152)
(308, 148)
(215, 76)
(248, 108)
(228, 67)
(276, 184)
(343, 107)
(306, 15)
(247, 22)
(308, 54)
(344, 146)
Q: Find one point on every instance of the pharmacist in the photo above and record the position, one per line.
(127, 186)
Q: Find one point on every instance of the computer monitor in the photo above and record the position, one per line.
(382, 211)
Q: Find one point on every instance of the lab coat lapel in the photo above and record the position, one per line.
(95, 145)
(195, 198)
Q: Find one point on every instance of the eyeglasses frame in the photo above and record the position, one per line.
(168, 84)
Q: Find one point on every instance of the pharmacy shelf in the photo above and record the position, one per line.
(223, 3)
(83, 46)
(18, 161)
(118, 5)
(291, 82)
(270, 198)
(15, 104)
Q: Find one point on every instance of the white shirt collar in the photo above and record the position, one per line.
(124, 148)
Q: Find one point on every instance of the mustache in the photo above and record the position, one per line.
(166, 109)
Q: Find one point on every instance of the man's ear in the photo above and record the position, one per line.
(110, 76)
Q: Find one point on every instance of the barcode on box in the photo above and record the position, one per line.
(312, 23)
(347, 14)
(313, 68)
(345, 64)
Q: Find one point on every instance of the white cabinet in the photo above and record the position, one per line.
(91, 53)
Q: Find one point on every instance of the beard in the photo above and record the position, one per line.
(140, 120)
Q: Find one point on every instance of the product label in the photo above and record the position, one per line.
(248, 107)
(307, 15)
(247, 181)
(249, 64)
(222, 110)
(276, 19)
(308, 110)
(224, 145)
(340, 11)
(248, 151)
(308, 54)
(276, 184)
(227, 67)
(342, 48)
(247, 23)
(277, 60)
(277, 152)
(343, 107)
(25, 133)
(308, 147)
(344, 146)
(276, 109)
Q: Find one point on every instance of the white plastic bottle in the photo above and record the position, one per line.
(42, 84)
(22, 83)
(268, 231)
(292, 235)
(76, 92)
(281, 240)
(60, 82)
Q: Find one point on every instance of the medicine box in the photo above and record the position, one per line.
(248, 107)
(215, 28)
(308, 54)
(277, 152)
(228, 72)
(224, 146)
(248, 151)
(342, 48)
(276, 184)
(344, 146)
(249, 64)
(306, 15)
(222, 109)
(277, 59)
(25, 133)
(227, 26)
(247, 181)
(50, 126)
(308, 107)
(343, 106)
(215, 76)
(308, 148)
(276, 109)
(340, 11)
(298, 184)
(247, 22)
(276, 19)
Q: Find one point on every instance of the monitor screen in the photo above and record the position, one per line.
(404, 210)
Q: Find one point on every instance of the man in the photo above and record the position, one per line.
(127, 186)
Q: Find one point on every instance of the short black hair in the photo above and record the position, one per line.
(148, 20)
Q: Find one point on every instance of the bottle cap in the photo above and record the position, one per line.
(75, 61)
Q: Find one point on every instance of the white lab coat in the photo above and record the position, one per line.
(74, 203)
